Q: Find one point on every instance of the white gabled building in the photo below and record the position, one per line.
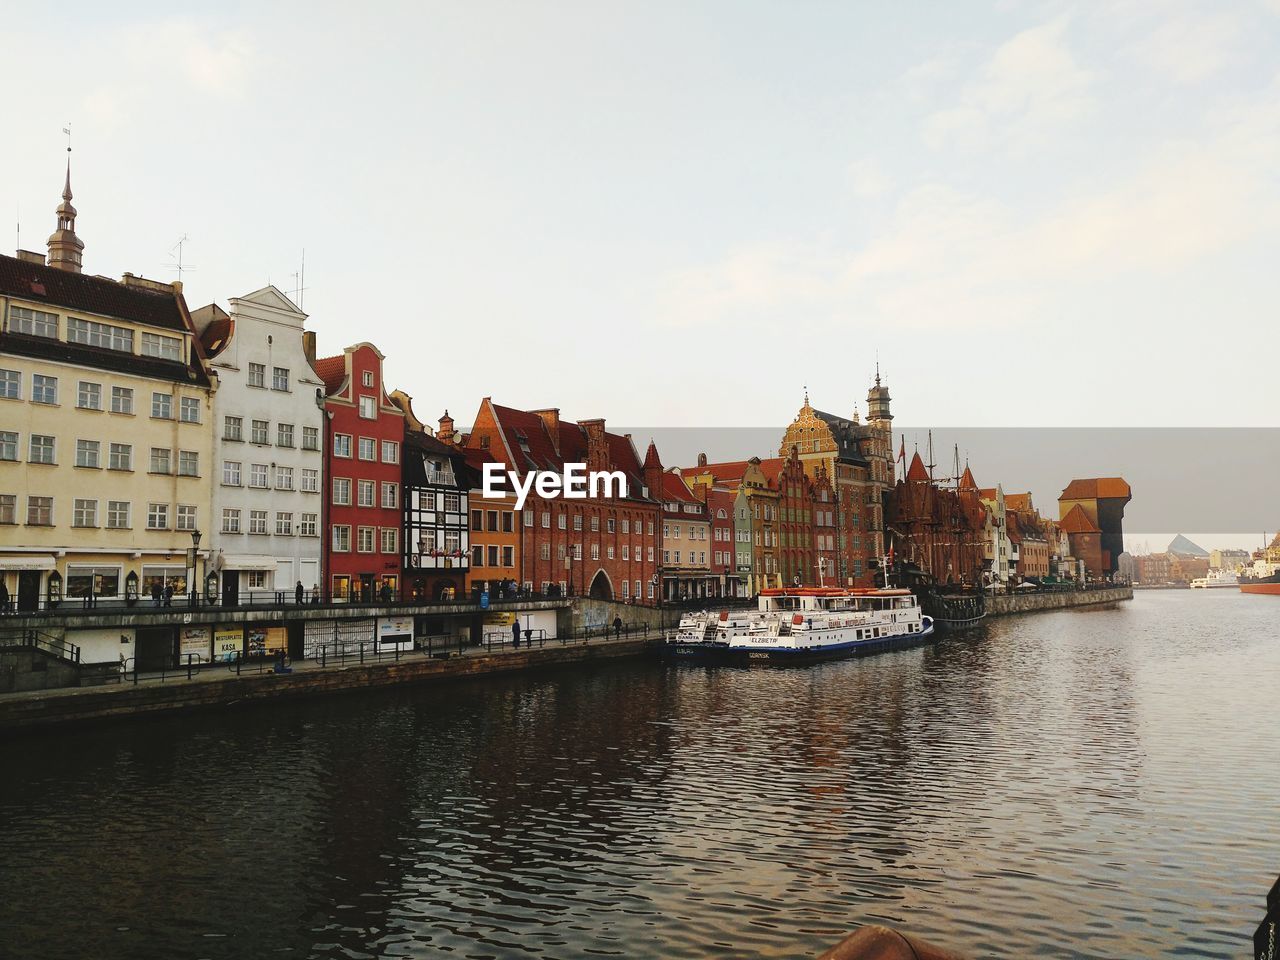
(268, 459)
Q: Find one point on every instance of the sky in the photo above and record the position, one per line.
(681, 214)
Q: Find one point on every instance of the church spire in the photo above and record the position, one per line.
(66, 250)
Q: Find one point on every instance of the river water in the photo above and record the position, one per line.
(1073, 784)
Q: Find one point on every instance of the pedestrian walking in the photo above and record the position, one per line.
(617, 625)
(168, 594)
(298, 593)
(156, 593)
(515, 633)
(4, 596)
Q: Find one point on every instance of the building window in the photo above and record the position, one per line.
(256, 579)
(161, 406)
(609, 526)
(34, 323)
(284, 434)
(231, 473)
(595, 524)
(310, 438)
(87, 453)
(528, 518)
(364, 540)
(342, 445)
(560, 521)
(8, 508)
(390, 496)
(477, 555)
(476, 523)
(40, 511)
(121, 456)
(10, 385)
(284, 524)
(546, 519)
(364, 493)
(258, 521)
(577, 521)
(508, 556)
(189, 410)
(390, 451)
(157, 516)
(259, 431)
(118, 514)
(508, 521)
(389, 539)
(41, 449)
(166, 348)
(310, 480)
(44, 389)
(626, 551)
(232, 428)
(284, 478)
(257, 374)
(626, 589)
(258, 475)
(89, 396)
(122, 400)
(367, 378)
(491, 518)
(85, 513)
(230, 520)
(186, 517)
(544, 551)
(307, 525)
(160, 460)
(8, 445)
(279, 378)
(452, 503)
(365, 449)
(342, 493)
(368, 408)
(577, 551)
(493, 556)
(188, 464)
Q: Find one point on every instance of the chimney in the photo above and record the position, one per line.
(446, 433)
(551, 420)
(309, 347)
(702, 460)
(597, 444)
(30, 256)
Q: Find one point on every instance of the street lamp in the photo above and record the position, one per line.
(191, 584)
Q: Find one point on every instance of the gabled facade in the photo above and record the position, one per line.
(1102, 499)
(265, 534)
(686, 541)
(759, 505)
(105, 443)
(435, 491)
(363, 442)
(604, 547)
(720, 516)
(938, 535)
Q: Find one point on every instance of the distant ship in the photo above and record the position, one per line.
(1262, 577)
(1216, 578)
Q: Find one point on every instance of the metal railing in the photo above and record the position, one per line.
(34, 639)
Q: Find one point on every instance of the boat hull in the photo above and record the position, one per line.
(1268, 587)
(783, 656)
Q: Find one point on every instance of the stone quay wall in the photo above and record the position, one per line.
(1031, 602)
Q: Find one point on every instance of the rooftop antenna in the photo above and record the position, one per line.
(177, 248)
(300, 281)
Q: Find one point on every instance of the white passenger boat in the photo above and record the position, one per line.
(1216, 578)
(806, 624)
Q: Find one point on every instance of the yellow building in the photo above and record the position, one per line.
(105, 436)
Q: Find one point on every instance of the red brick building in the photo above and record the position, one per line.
(1085, 538)
(719, 501)
(364, 433)
(601, 547)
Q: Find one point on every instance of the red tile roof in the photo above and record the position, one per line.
(1018, 501)
(674, 487)
(1077, 521)
(332, 370)
(1097, 488)
(917, 471)
(731, 471)
(98, 295)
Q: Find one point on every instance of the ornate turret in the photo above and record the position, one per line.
(66, 250)
(653, 471)
(878, 401)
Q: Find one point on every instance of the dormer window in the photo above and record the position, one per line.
(34, 323)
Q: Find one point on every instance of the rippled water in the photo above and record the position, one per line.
(1076, 784)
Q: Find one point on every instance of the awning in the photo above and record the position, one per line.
(247, 561)
(33, 562)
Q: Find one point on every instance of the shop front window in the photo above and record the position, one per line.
(162, 577)
(84, 581)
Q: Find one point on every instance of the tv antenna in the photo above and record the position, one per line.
(300, 281)
(175, 252)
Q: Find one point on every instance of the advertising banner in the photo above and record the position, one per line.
(395, 630)
(194, 641)
(227, 642)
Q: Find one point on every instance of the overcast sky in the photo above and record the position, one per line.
(681, 213)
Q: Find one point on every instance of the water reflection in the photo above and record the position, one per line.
(1073, 784)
